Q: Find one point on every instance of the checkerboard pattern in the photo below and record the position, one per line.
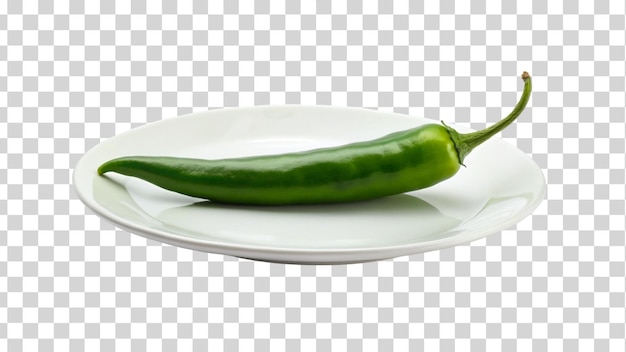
(75, 73)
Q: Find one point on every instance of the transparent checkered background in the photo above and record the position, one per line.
(75, 73)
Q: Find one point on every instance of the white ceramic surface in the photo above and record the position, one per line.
(499, 187)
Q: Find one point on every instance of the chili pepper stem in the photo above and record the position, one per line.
(466, 142)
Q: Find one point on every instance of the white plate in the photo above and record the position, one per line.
(499, 187)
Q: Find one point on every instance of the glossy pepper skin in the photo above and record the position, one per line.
(396, 163)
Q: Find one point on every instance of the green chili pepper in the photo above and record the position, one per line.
(396, 163)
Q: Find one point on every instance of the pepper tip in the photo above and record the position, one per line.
(525, 75)
(102, 169)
